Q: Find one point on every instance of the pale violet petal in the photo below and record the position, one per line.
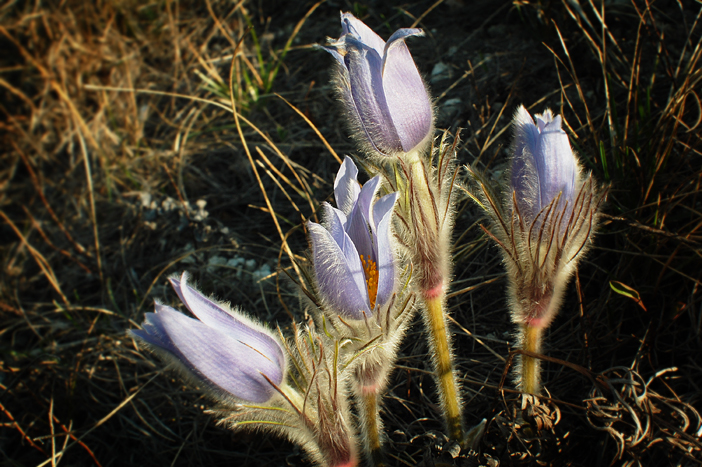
(346, 186)
(367, 195)
(364, 67)
(382, 211)
(383, 206)
(336, 226)
(405, 93)
(216, 316)
(220, 361)
(525, 175)
(358, 230)
(352, 25)
(335, 222)
(333, 49)
(558, 168)
(340, 276)
(359, 222)
(152, 333)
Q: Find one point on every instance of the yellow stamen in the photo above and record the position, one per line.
(370, 269)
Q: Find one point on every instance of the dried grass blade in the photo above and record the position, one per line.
(38, 257)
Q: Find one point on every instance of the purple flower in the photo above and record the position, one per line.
(387, 101)
(543, 164)
(222, 349)
(353, 256)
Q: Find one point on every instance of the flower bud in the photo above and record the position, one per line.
(387, 104)
(223, 350)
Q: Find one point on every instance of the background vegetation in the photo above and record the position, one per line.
(121, 164)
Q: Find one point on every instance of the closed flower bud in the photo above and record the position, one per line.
(387, 104)
(222, 350)
(543, 165)
(544, 224)
(555, 209)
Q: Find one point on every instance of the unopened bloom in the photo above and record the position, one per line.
(543, 225)
(223, 350)
(543, 165)
(386, 99)
(353, 254)
(554, 207)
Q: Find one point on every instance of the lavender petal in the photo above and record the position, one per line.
(346, 186)
(405, 93)
(214, 315)
(340, 275)
(365, 78)
(336, 228)
(558, 169)
(357, 28)
(525, 176)
(222, 362)
(382, 213)
(358, 226)
(382, 207)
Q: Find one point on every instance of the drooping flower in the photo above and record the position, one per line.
(386, 100)
(353, 255)
(223, 350)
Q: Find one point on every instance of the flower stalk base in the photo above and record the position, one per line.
(439, 339)
(530, 372)
(371, 427)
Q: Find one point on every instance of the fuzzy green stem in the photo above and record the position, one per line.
(444, 366)
(531, 373)
(371, 426)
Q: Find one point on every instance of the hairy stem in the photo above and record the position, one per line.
(530, 368)
(368, 402)
(439, 339)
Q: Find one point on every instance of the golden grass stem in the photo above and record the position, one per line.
(439, 339)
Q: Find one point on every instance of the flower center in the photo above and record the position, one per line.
(370, 269)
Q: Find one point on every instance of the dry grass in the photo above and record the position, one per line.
(123, 164)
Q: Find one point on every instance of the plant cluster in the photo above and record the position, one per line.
(381, 253)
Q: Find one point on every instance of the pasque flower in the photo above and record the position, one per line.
(385, 97)
(353, 254)
(244, 366)
(223, 350)
(543, 165)
(543, 225)
(555, 208)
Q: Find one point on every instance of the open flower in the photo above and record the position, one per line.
(387, 103)
(353, 255)
(222, 349)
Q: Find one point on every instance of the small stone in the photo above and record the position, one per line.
(145, 199)
(439, 72)
(261, 273)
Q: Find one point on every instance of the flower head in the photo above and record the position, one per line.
(353, 255)
(543, 164)
(388, 105)
(546, 219)
(222, 349)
